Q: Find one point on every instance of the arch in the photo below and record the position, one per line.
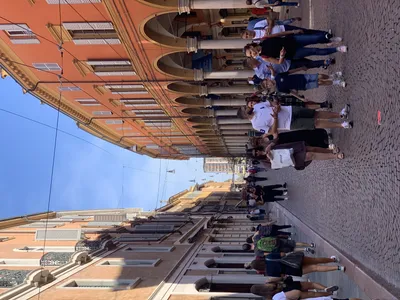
(170, 65)
(203, 126)
(184, 88)
(198, 112)
(173, 4)
(154, 30)
(193, 101)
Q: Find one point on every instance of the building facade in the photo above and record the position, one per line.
(144, 81)
(223, 165)
(190, 248)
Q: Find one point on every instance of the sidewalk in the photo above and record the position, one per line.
(353, 283)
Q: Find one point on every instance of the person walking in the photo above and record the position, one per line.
(294, 264)
(269, 244)
(271, 3)
(270, 229)
(276, 49)
(286, 289)
(252, 179)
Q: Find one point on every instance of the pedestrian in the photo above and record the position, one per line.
(276, 49)
(270, 229)
(267, 29)
(268, 193)
(252, 178)
(271, 119)
(270, 3)
(269, 244)
(288, 289)
(286, 100)
(291, 83)
(294, 264)
(302, 155)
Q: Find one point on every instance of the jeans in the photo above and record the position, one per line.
(308, 63)
(285, 3)
(286, 22)
(306, 31)
(303, 52)
(303, 40)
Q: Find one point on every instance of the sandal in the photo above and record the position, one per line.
(340, 156)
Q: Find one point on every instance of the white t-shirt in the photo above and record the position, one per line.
(281, 296)
(255, 212)
(252, 202)
(263, 121)
(261, 27)
(261, 3)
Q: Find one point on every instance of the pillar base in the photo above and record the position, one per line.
(183, 6)
(198, 75)
(192, 44)
(203, 90)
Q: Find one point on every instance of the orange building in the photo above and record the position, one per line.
(190, 248)
(137, 73)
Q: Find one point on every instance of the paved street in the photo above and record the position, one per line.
(355, 204)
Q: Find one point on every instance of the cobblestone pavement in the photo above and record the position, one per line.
(355, 203)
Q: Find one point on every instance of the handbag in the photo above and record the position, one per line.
(282, 158)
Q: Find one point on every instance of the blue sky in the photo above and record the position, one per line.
(85, 176)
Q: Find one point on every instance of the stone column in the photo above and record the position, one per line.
(236, 127)
(232, 121)
(193, 44)
(245, 89)
(200, 75)
(228, 102)
(225, 112)
(185, 6)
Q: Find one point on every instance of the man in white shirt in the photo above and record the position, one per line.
(270, 3)
(271, 119)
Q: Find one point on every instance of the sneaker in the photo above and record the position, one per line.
(347, 125)
(297, 19)
(285, 193)
(331, 289)
(329, 62)
(338, 74)
(284, 185)
(336, 39)
(344, 113)
(342, 268)
(342, 83)
(335, 259)
(312, 245)
(310, 250)
(330, 31)
(342, 49)
(328, 36)
(286, 198)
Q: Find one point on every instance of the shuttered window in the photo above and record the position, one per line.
(41, 225)
(102, 113)
(131, 262)
(58, 235)
(47, 66)
(148, 249)
(156, 228)
(103, 224)
(119, 284)
(110, 218)
(88, 102)
(88, 26)
(92, 33)
(114, 122)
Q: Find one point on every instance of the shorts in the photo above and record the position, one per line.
(295, 285)
(286, 245)
(291, 271)
(302, 118)
(312, 81)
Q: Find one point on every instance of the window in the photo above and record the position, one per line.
(92, 33)
(111, 67)
(72, 1)
(113, 122)
(88, 102)
(131, 262)
(127, 89)
(149, 112)
(139, 238)
(58, 234)
(5, 238)
(120, 284)
(19, 33)
(47, 66)
(19, 262)
(149, 249)
(69, 89)
(102, 113)
(41, 225)
(158, 123)
(46, 249)
(123, 128)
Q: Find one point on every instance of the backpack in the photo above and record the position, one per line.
(267, 244)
